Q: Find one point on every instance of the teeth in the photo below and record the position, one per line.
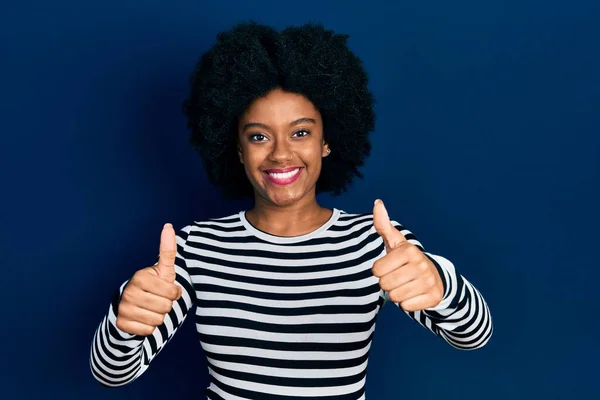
(285, 175)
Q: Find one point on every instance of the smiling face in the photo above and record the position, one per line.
(281, 146)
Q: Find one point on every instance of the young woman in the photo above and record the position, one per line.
(285, 295)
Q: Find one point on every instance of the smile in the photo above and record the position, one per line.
(283, 178)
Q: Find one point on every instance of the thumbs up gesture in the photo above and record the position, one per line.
(149, 294)
(408, 275)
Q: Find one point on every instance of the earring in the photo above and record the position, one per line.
(328, 151)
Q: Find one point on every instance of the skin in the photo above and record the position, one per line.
(278, 131)
(405, 272)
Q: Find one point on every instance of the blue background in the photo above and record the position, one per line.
(486, 147)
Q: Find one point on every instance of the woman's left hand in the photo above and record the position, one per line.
(405, 272)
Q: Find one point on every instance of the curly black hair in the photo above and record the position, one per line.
(250, 60)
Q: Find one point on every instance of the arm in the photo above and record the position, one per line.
(116, 357)
(462, 318)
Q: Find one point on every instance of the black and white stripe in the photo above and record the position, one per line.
(284, 316)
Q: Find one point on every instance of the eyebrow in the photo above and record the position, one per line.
(293, 123)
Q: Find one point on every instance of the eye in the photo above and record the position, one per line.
(257, 137)
(301, 133)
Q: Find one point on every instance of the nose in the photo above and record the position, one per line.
(281, 152)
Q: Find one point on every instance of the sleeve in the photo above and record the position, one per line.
(462, 318)
(118, 358)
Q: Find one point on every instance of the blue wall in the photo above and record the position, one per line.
(486, 147)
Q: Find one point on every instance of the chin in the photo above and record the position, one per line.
(282, 197)
(283, 200)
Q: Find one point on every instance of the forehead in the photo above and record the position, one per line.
(281, 106)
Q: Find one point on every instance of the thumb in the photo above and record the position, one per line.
(392, 237)
(168, 251)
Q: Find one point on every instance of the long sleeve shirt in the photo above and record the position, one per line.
(284, 317)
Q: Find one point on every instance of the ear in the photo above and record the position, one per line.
(325, 149)
(240, 153)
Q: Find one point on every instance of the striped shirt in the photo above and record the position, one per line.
(284, 317)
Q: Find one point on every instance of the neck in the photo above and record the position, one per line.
(296, 219)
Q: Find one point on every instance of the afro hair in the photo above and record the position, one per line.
(250, 60)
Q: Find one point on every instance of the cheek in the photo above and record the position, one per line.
(310, 151)
(314, 158)
(252, 162)
(247, 155)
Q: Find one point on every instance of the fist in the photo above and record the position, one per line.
(149, 294)
(405, 272)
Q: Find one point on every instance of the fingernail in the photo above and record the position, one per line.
(376, 201)
(167, 225)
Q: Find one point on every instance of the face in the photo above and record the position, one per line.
(281, 146)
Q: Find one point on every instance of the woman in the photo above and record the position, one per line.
(285, 294)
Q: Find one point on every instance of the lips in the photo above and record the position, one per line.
(283, 176)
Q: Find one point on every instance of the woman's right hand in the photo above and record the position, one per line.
(148, 296)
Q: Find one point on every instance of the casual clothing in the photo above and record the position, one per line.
(284, 317)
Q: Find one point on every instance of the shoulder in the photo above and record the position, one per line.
(217, 226)
(366, 220)
(362, 217)
(353, 219)
(350, 218)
